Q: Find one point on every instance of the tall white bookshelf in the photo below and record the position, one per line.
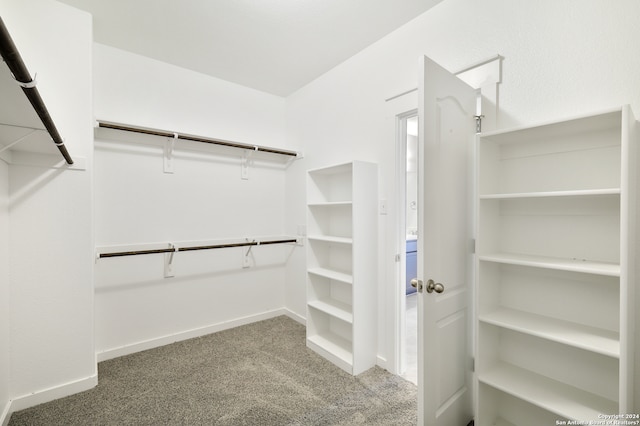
(341, 264)
(555, 255)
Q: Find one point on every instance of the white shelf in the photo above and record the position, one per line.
(21, 129)
(334, 308)
(332, 345)
(589, 338)
(551, 395)
(332, 170)
(330, 239)
(331, 204)
(341, 322)
(549, 194)
(571, 265)
(332, 275)
(555, 217)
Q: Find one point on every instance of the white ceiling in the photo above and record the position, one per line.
(276, 46)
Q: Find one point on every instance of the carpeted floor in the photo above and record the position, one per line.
(258, 374)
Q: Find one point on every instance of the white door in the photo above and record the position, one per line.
(446, 138)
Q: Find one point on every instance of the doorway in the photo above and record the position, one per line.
(408, 185)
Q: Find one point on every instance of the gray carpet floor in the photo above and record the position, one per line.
(258, 374)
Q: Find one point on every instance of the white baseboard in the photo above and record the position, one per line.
(299, 318)
(190, 334)
(46, 395)
(5, 415)
(382, 363)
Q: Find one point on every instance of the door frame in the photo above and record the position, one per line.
(400, 237)
(397, 109)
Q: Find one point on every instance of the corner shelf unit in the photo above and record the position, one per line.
(555, 253)
(341, 257)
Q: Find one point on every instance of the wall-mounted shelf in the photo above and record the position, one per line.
(173, 142)
(25, 123)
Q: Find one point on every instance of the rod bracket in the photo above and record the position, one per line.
(28, 84)
(245, 162)
(246, 260)
(168, 262)
(169, 145)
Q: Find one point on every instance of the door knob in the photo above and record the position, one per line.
(434, 286)
(417, 284)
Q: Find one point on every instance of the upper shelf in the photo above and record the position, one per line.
(570, 265)
(25, 123)
(552, 194)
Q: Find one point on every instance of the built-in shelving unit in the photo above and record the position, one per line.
(341, 257)
(555, 255)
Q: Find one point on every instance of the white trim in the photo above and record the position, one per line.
(480, 73)
(6, 414)
(190, 334)
(406, 92)
(391, 325)
(46, 395)
(294, 316)
(382, 362)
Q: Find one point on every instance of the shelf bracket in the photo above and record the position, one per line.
(6, 147)
(169, 144)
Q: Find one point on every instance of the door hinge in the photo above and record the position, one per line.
(478, 122)
(473, 245)
(397, 258)
(473, 365)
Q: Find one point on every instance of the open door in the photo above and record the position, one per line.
(446, 137)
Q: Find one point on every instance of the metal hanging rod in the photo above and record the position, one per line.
(167, 134)
(16, 65)
(207, 247)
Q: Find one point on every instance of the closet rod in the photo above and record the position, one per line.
(13, 59)
(164, 133)
(208, 247)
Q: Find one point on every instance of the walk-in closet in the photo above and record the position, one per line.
(245, 212)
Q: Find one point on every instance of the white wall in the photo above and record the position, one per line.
(561, 59)
(50, 237)
(4, 290)
(204, 199)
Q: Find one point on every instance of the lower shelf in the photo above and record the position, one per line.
(334, 308)
(334, 348)
(556, 397)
